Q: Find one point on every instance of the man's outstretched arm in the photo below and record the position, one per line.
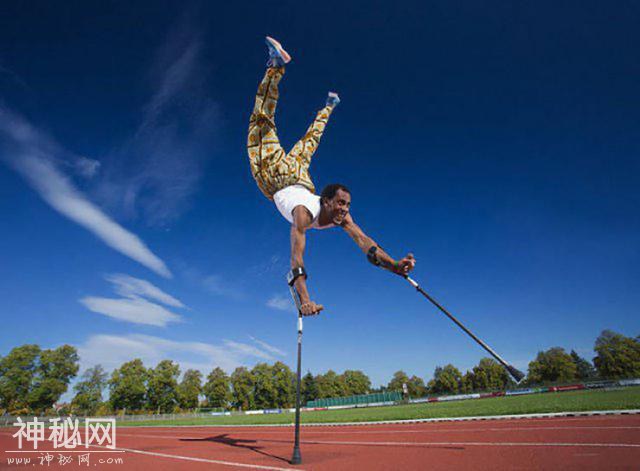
(301, 222)
(400, 267)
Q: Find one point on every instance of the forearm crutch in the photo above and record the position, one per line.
(291, 278)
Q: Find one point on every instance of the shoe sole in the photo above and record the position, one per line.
(286, 58)
(334, 98)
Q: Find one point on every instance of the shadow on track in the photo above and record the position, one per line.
(236, 442)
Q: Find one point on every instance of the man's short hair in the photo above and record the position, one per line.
(330, 191)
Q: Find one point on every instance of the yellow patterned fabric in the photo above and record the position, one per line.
(272, 168)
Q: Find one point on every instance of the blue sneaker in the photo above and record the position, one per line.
(277, 55)
(333, 99)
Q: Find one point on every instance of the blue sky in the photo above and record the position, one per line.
(497, 142)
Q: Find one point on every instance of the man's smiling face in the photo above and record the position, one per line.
(338, 207)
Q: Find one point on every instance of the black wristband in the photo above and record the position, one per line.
(372, 257)
(294, 274)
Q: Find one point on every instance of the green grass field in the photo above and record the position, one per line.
(574, 401)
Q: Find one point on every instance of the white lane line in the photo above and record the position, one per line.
(383, 432)
(407, 428)
(428, 444)
(522, 429)
(202, 460)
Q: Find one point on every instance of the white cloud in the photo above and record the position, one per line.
(132, 307)
(136, 310)
(276, 264)
(33, 155)
(129, 287)
(215, 284)
(88, 168)
(13, 77)
(154, 173)
(268, 348)
(248, 350)
(212, 283)
(281, 303)
(178, 60)
(111, 351)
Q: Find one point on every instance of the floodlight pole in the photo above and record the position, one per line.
(297, 458)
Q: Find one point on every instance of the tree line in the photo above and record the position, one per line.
(32, 381)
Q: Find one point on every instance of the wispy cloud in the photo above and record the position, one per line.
(275, 264)
(154, 173)
(86, 167)
(211, 283)
(13, 77)
(217, 285)
(282, 303)
(267, 347)
(247, 350)
(133, 307)
(136, 310)
(33, 156)
(128, 286)
(111, 351)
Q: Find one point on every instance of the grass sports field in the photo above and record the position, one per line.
(573, 401)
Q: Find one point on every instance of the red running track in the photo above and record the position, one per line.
(599, 442)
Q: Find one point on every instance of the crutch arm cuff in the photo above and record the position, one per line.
(372, 256)
(294, 273)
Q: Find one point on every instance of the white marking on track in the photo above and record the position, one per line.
(383, 432)
(203, 460)
(427, 444)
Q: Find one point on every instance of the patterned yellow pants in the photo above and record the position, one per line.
(272, 168)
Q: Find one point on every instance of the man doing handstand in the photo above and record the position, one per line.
(284, 178)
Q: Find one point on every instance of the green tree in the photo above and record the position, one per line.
(284, 383)
(17, 371)
(242, 385)
(264, 388)
(416, 387)
(163, 387)
(466, 383)
(128, 386)
(329, 385)
(445, 380)
(355, 382)
(189, 389)
(88, 391)
(617, 356)
(217, 388)
(553, 365)
(489, 375)
(399, 378)
(56, 369)
(584, 369)
(309, 388)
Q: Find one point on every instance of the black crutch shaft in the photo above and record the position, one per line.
(296, 457)
(517, 375)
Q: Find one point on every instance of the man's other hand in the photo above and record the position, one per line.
(310, 308)
(406, 265)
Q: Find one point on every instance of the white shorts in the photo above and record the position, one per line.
(290, 197)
